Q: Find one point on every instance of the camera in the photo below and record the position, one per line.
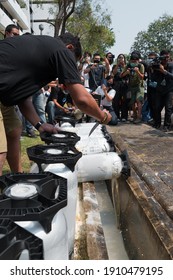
(131, 67)
(155, 62)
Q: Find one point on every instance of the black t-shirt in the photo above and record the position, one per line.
(58, 94)
(29, 62)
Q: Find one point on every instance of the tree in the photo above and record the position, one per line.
(59, 10)
(158, 37)
(64, 10)
(92, 25)
(84, 18)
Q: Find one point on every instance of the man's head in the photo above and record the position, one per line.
(96, 58)
(164, 57)
(152, 55)
(72, 43)
(11, 30)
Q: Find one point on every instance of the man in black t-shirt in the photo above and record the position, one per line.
(27, 63)
(56, 101)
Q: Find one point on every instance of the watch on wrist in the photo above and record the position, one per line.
(37, 126)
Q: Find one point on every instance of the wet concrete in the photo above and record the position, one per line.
(144, 202)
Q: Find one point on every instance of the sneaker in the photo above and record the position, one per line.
(137, 121)
(165, 129)
(157, 126)
(151, 121)
(31, 133)
(124, 120)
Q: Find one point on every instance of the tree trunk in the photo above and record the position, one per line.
(66, 9)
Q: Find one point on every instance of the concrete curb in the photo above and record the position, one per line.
(162, 192)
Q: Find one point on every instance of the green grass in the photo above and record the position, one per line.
(25, 143)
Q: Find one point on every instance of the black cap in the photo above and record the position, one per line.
(109, 77)
(134, 56)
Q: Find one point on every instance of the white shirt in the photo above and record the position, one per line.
(104, 101)
(85, 76)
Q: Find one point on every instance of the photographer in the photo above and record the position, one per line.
(135, 71)
(110, 59)
(151, 87)
(121, 100)
(163, 70)
(97, 71)
(84, 62)
(107, 94)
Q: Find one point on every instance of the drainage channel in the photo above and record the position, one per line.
(113, 237)
(97, 233)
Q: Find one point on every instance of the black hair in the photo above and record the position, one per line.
(121, 54)
(108, 54)
(10, 27)
(95, 54)
(27, 33)
(109, 77)
(69, 38)
(164, 52)
(136, 54)
(152, 53)
(87, 53)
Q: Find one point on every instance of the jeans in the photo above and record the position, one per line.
(52, 111)
(39, 105)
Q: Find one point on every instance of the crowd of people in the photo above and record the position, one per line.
(43, 78)
(137, 90)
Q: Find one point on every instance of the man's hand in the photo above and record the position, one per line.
(47, 127)
(162, 69)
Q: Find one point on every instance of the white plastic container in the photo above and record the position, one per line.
(64, 171)
(81, 129)
(93, 145)
(70, 210)
(96, 167)
(34, 202)
(55, 243)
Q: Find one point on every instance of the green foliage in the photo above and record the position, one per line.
(158, 36)
(92, 25)
(87, 20)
